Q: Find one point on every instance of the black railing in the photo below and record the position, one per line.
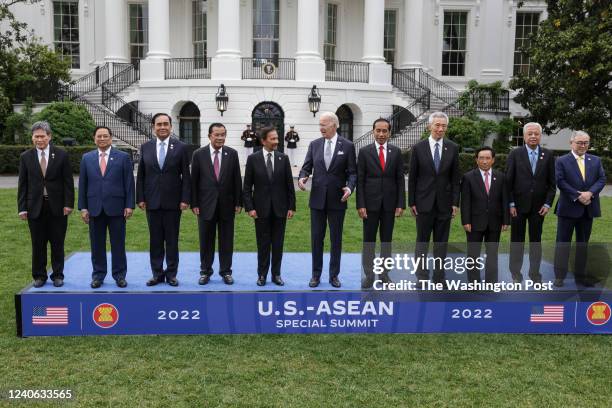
(404, 81)
(124, 75)
(89, 82)
(485, 100)
(347, 71)
(264, 68)
(137, 120)
(411, 135)
(439, 89)
(187, 68)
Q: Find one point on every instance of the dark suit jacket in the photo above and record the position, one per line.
(58, 180)
(479, 209)
(207, 192)
(112, 192)
(425, 187)
(267, 197)
(528, 191)
(570, 182)
(379, 190)
(164, 188)
(326, 190)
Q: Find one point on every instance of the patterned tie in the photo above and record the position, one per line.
(487, 186)
(43, 168)
(533, 160)
(162, 154)
(328, 154)
(216, 164)
(269, 166)
(103, 162)
(581, 167)
(437, 157)
(381, 157)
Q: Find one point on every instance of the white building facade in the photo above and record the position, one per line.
(366, 58)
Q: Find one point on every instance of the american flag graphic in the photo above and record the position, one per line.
(547, 314)
(42, 315)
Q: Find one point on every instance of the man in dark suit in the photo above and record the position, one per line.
(163, 189)
(106, 201)
(216, 191)
(381, 196)
(433, 192)
(269, 198)
(332, 159)
(484, 212)
(580, 177)
(45, 198)
(530, 173)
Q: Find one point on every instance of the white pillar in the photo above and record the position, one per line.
(412, 54)
(491, 57)
(116, 35)
(227, 64)
(159, 29)
(373, 41)
(309, 64)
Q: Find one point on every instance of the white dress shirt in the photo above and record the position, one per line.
(482, 174)
(46, 154)
(166, 142)
(384, 150)
(334, 140)
(265, 155)
(432, 146)
(107, 151)
(212, 156)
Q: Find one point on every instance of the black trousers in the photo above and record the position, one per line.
(565, 229)
(517, 245)
(164, 227)
(97, 235)
(319, 219)
(270, 234)
(208, 229)
(381, 223)
(47, 228)
(491, 240)
(438, 224)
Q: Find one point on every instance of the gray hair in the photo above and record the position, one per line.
(536, 124)
(579, 133)
(41, 125)
(333, 117)
(437, 115)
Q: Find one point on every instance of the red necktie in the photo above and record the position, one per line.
(381, 157)
(487, 182)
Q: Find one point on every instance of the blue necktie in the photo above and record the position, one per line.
(437, 158)
(533, 160)
(162, 155)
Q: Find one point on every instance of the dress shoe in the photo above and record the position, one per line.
(172, 281)
(154, 281)
(335, 282)
(38, 283)
(517, 278)
(228, 280)
(314, 282)
(261, 281)
(558, 283)
(204, 279)
(536, 279)
(58, 283)
(95, 284)
(278, 280)
(367, 282)
(121, 283)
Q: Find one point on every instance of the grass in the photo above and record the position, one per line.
(294, 370)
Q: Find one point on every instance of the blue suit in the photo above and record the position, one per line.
(106, 197)
(573, 215)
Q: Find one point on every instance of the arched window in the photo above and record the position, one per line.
(189, 124)
(270, 114)
(345, 116)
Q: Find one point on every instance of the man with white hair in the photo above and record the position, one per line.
(580, 177)
(530, 174)
(331, 161)
(433, 192)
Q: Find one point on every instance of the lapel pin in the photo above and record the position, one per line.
(494, 178)
(225, 154)
(53, 156)
(172, 146)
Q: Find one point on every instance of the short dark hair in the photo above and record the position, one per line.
(110, 132)
(214, 125)
(158, 114)
(484, 148)
(381, 120)
(264, 132)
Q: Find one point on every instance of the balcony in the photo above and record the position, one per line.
(187, 68)
(274, 68)
(486, 100)
(347, 71)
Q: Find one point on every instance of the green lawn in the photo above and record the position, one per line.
(294, 370)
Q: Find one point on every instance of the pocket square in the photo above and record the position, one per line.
(340, 153)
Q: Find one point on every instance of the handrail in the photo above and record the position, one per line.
(89, 82)
(347, 71)
(439, 89)
(187, 68)
(411, 135)
(141, 122)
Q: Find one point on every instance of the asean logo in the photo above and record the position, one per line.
(598, 313)
(105, 315)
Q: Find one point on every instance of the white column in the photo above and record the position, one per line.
(159, 29)
(227, 64)
(412, 54)
(373, 41)
(116, 35)
(309, 65)
(491, 57)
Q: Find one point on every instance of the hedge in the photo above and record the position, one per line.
(9, 157)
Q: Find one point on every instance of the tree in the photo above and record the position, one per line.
(68, 120)
(571, 64)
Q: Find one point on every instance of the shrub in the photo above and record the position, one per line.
(68, 120)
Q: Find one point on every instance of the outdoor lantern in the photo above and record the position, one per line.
(314, 100)
(221, 99)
